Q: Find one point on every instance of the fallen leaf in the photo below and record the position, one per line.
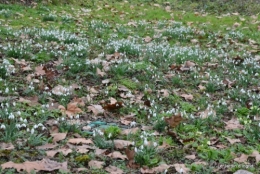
(159, 169)
(192, 157)
(96, 164)
(72, 109)
(64, 151)
(120, 144)
(114, 106)
(43, 165)
(174, 120)
(58, 136)
(242, 159)
(233, 141)
(148, 39)
(242, 172)
(47, 146)
(168, 8)
(39, 71)
(117, 155)
(99, 72)
(256, 155)
(114, 170)
(80, 140)
(6, 146)
(233, 124)
(187, 96)
(96, 109)
(130, 131)
(181, 168)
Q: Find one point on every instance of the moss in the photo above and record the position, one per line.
(82, 159)
(128, 83)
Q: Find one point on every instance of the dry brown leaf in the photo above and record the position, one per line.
(96, 164)
(20, 62)
(101, 73)
(58, 136)
(32, 101)
(181, 168)
(229, 83)
(79, 101)
(255, 154)
(130, 154)
(233, 124)
(148, 39)
(233, 141)
(80, 140)
(174, 120)
(43, 165)
(201, 87)
(47, 146)
(241, 159)
(187, 97)
(130, 131)
(114, 170)
(64, 151)
(236, 24)
(6, 146)
(106, 81)
(39, 71)
(168, 8)
(242, 172)
(72, 109)
(117, 155)
(159, 169)
(192, 157)
(96, 109)
(165, 92)
(100, 151)
(120, 144)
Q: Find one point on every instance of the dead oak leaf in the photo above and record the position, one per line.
(130, 131)
(80, 141)
(96, 109)
(233, 141)
(187, 97)
(242, 159)
(117, 155)
(96, 164)
(43, 165)
(64, 151)
(39, 71)
(174, 120)
(181, 168)
(47, 146)
(233, 124)
(159, 169)
(6, 146)
(72, 109)
(191, 157)
(101, 73)
(114, 170)
(58, 136)
(148, 39)
(120, 144)
(256, 155)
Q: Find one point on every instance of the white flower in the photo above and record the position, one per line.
(6, 90)
(181, 170)
(136, 150)
(133, 124)
(23, 125)
(32, 131)
(155, 144)
(18, 126)
(145, 142)
(109, 135)
(11, 116)
(2, 126)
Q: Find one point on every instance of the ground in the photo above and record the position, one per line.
(129, 87)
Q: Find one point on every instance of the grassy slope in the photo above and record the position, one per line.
(198, 133)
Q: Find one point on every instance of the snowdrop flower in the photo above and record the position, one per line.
(18, 126)
(77, 116)
(133, 124)
(23, 125)
(2, 126)
(43, 128)
(181, 170)
(6, 90)
(11, 116)
(145, 142)
(28, 130)
(142, 147)
(32, 131)
(136, 150)
(109, 135)
(155, 144)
